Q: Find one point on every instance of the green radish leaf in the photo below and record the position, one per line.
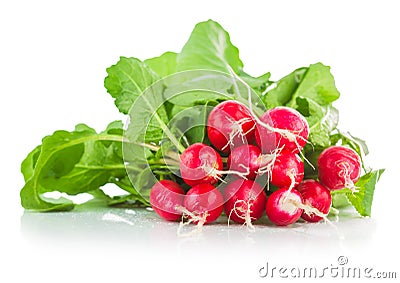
(282, 93)
(311, 153)
(340, 201)
(145, 181)
(258, 84)
(322, 121)
(317, 85)
(59, 154)
(303, 106)
(136, 193)
(189, 124)
(359, 145)
(209, 47)
(72, 162)
(163, 65)
(189, 98)
(29, 163)
(30, 199)
(149, 118)
(191, 88)
(99, 200)
(101, 160)
(121, 200)
(197, 124)
(362, 199)
(346, 138)
(313, 98)
(126, 80)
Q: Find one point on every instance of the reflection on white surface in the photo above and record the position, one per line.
(136, 242)
(141, 228)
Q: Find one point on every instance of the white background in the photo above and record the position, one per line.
(52, 66)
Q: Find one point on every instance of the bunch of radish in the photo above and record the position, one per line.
(262, 171)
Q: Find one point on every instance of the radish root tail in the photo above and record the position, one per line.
(237, 130)
(268, 161)
(200, 218)
(215, 173)
(292, 175)
(345, 174)
(242, 213)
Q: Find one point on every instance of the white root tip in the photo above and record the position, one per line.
(292, 175)
(346, 175)
(268, 161)
(239, 211)
(215, 173)
(310, 210)
(200, 218)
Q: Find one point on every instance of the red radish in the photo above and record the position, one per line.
(204, 203)
(200, 163)
(315, 196)
(248, 158)
(244, 201)
(165, 197)
(288, 170)
(283, 206)
(230, 124)
(290, 130)
(339, 167)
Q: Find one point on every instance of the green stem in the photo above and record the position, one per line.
(131, 190)
(165, 129)
(341, 191)
(109, 167)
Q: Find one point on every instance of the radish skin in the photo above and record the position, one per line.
(229, 125)
(314, 196)
(165, 197)
(205, 201)
(198, 164)
(245, 201)
(248, 158)
(339, 167)
(282, 127)
(288, 170)
(283, 207)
